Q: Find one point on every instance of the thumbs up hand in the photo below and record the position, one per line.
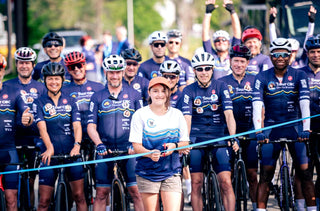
(27, 118)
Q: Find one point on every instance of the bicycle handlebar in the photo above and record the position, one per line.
(245, 138)
(211, 146)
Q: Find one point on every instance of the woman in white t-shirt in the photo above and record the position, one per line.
(157, 127)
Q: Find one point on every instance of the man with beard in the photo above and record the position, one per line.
(221, 39)
(52, 45)
(150, 68)
(109, 120)
(284, 94)
(29, 90)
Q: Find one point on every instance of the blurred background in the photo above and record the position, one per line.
(25, 22)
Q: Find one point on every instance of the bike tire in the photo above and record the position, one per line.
(240, 187)
(205, 199)
(61, 199)
(285, 203)
(3, 205)
(88, 189)
(118, 198)
(215, 201)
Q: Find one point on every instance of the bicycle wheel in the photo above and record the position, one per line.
(88, 188)
(2, 201)
(215, 202)
(285, 189)
(24, 196)
(240, 187)
(118, 199)
(205, 194)
(61, 200)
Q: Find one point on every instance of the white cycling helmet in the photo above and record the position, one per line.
(114, 63)
(202, 59)
(220, 33)
(25, 54)
(294, 44)
(157, 36)
(170, 66)
(281, 43)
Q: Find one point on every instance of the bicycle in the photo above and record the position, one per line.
(2, 196)
(240, 186)
(284, 192)
(62, 193)
(210, 190)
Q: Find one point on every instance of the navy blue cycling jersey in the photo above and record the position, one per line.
(174, 98)
(141, 85)
(29, 93)
(150, 69)
(281, 99)
(10, 103)
(113, 115)
(221, 68)
(58, 119)
(314, 85)
(36, 75)
(258, 64)
(186, 70)
(241, 95)
(82, 95)
(206, 106)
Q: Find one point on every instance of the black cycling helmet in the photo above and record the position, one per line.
(240, 51)
(313, 42)
(131, 54)
(51, 36)
(174, 33)
(53, 69)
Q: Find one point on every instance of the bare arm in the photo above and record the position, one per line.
(188, 119)
(77, 131)
(93, 134)
(235, 21)
(231, 123)
(46, 156)
(272, 26)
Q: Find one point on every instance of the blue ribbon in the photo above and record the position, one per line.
(164, 151)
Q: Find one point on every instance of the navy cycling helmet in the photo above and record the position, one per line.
(131, 54)
(313, 42)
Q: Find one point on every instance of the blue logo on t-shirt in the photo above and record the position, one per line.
(151, 123)
(106, 103)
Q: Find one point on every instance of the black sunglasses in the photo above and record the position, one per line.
(132, 63)
(156, 45)
(282, 54)
(220, 40)
(200, 69)
(73, 66)
(170, 76)
(172, 42)
(50, 45)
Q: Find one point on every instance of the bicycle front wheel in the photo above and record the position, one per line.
(61, 198)
(240, 187)
(215, 202)
(88, 188)
(118, 198)
(285, 203)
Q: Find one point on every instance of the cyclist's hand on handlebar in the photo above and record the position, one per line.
(75, 150)
(304, 135)
(46, 156)
(261, 138)
(235, 144)
(101, 149)
(155, 155)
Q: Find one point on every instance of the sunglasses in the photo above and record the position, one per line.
(221, 40)
(170, 76)
(50, 45)
(200, 69)
(282, 54)
(73, 66)
(132, 63)
(156, 45)
(172, 42)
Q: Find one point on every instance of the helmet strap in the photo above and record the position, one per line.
(202, 84)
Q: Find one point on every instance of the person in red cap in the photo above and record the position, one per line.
(252, 38)
(155, 128)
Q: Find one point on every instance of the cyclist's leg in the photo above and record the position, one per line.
(149, 193)
(222, 167)
(11, 182)
(196, 179)
(131, 181)
(104, 175)
(75, 177)
(171, 191)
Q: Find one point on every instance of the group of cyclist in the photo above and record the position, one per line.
(161, 104)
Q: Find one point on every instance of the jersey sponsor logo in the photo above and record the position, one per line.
(271, 86)
(254, 62)
(289, 78)
(23, 92)
(126, 113)
(214, 107)
(214, 97)
(89, 88)
(29, 100)
(151, 123)
(154, 74)
(68, 108)
(303, 83)
(33, 90)
(106, 103)
(226, 93)
(125, 96)
(199, 110)
(126, 104)
(230, 89)
(52, 111)
(48, 106)
(5, 96)
(247, 87)
(136, 86)
(91, 106)
(186, 99)
(64, 101)
(197, 101)
(257, 85)
(213, 91)
(175, 97)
